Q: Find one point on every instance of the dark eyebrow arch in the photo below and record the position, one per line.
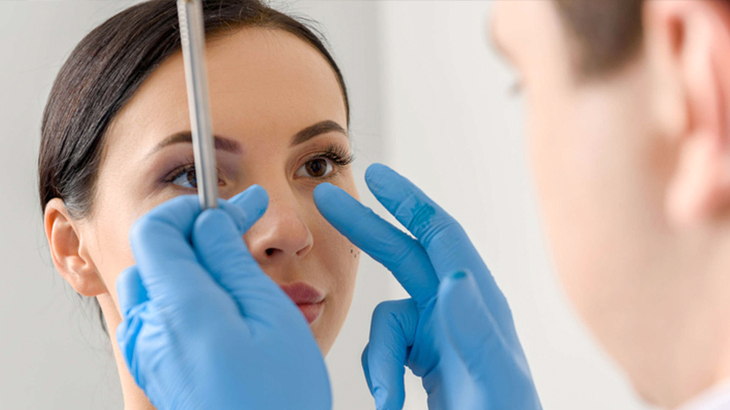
(319, 128)
(229, 145)
(221, 143)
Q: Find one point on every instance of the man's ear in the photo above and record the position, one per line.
(68, 250)
(691, 40)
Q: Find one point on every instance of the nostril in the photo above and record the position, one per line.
(270, 251)
(304, 250)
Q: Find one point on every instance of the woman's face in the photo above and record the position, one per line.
(280, 122)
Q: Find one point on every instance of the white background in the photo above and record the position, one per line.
(429, 97)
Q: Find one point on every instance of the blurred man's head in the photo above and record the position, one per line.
(629, 133)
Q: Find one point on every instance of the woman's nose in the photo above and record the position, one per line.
(281, 233)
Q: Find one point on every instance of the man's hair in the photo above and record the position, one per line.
(606, 33)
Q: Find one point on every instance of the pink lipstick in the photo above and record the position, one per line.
(308, 299)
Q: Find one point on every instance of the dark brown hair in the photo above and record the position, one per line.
(105, 70)
(606, 33)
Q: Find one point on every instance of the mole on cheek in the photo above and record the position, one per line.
(354, 252)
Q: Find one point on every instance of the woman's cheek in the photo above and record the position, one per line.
(344, 271)
(111, 249)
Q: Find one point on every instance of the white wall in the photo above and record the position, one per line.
(428, 97)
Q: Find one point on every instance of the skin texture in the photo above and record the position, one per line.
(633, 172)
(265, 87)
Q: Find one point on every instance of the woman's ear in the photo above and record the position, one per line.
(68, 250)
(691, 38)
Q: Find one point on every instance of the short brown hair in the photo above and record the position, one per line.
(607, 33)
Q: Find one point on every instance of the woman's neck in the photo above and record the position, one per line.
(134, 397)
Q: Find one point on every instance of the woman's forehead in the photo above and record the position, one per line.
(262, 82)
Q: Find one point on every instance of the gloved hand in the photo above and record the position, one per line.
(204, 327)
(456, 331)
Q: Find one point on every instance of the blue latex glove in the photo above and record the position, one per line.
(204, 327)
(456, 331)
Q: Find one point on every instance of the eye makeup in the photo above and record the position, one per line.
(333, 158)
(337, 154)
(334, 155)
(185, 164)
(186, 173)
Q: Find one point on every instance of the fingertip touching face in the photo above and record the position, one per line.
(280, 121)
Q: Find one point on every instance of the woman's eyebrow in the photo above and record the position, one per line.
(229, 145)
(221, 143)
(317, 129)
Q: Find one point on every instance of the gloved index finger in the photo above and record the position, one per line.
(247, 207)
(443, 238)
(385, 243)
(445, 241)
(160, 242)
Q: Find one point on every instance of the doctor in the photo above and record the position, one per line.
(630, 145)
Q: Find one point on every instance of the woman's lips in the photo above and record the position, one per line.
(311, 311)
(308, 299)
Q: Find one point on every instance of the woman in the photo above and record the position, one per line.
(116, 143)
(640, 229)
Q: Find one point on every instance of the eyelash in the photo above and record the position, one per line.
(335, 153)
(188, 165)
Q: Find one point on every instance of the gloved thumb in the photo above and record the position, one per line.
(392, 331)
(221, 250)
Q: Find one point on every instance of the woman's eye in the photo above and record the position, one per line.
(186, 179)
(316, 168)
